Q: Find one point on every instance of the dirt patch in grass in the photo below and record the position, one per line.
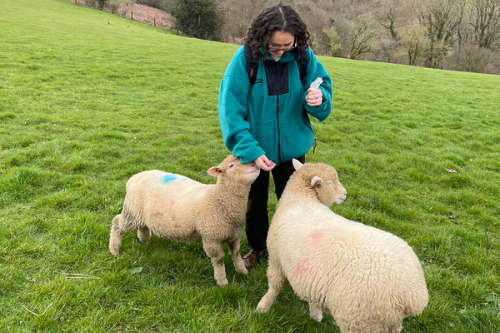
(151, 16)
(141, 13)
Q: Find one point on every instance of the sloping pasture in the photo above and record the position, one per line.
(87, 99)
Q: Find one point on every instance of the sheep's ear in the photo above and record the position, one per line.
(296, 164)
(215, 171)
(316, 180)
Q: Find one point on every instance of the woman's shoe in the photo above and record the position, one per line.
(252, 258)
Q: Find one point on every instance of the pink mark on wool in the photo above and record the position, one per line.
(316, 237)
(303, 268)
(171, 203)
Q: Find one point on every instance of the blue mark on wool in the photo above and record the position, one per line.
(168, 178)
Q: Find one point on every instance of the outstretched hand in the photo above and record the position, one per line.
(264, 163)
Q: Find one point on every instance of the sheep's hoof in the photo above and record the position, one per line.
(222, 283)
(262, 308)
(242, 271)
(113, 251)
(317, 317)
(315, 313)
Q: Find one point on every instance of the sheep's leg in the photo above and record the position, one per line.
(234, 250)
(144, 235)
(120, 225)
(276, 281)
(116, 235)
(215, 251)
(315, 313)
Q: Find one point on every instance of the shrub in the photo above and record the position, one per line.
(472, 58)
(198, 18)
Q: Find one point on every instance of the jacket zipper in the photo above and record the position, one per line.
(278, 125)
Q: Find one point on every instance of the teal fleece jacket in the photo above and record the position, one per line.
(256, 121)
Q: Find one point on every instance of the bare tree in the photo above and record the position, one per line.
(91, 3)
(333, 40)
(389, 16)
(362, 34)
(386, 50)
(441, 18)
(238, 16)
(414, 38)
(485, 20)
(463, 28)
(119, 6)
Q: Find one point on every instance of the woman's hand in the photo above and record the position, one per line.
(314, 97)
(264, 163)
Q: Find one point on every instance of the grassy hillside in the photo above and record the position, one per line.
(87, 99)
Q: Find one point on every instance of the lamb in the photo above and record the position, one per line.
(179, 208)
(368, 279)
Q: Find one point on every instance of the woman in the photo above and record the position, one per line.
(267, 122)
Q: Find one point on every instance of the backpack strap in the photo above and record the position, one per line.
(252, 65)
(301, 58)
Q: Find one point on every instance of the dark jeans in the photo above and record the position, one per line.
(257, 224)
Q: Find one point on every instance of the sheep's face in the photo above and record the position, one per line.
(233, 169)
(323, 180)
(328, 188)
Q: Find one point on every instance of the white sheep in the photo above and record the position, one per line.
(179, 208)
(368, 279)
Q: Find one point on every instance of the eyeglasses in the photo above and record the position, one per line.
(284, 49)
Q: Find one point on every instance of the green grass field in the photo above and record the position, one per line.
(85, 104)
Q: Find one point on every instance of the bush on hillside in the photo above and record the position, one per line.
(198, 18)
(472, 58)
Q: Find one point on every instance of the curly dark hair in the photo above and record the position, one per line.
(279, 17)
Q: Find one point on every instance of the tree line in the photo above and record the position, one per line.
(459, 35)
